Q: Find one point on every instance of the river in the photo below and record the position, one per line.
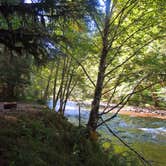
(145, 135)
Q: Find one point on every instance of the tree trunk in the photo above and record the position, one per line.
(61, 84)
(64, 88)
(54, 88)
(92, 122)
(155, 99)
(67, 92)
(93, 118)
(10, 92)
(45, 97)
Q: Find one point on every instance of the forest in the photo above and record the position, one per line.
(89, 68)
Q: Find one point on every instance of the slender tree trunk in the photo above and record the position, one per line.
(92, 123)
(155, 100)
(67, 92)
(79, 114)
(45, 97)
(61, 84)
(65, 88)
(54, 88)
(93, 118)
(62, 95)
(10, 95)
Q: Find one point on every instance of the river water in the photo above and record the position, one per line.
(146, 135)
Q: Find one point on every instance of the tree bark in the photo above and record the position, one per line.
(10, 95)
(92, 123)
(64, 88)
(61, 84)
(93, 118)
(67, 92)
(55, 84)
(45, 97)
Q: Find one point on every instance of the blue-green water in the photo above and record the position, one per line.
(146, 135)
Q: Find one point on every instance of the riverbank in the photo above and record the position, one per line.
(141, 114)
(127, 110)
(136, 111)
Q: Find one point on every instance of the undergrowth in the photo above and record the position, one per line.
(46, 139)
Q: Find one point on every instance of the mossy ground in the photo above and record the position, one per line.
(43, 138)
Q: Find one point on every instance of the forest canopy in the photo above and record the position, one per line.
(110, 51)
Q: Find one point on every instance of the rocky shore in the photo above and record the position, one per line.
(145, 110)
(142, 112)
(161, 114)
(134, 110)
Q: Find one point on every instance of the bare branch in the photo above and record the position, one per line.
(124, 41)
(83, 68)
(126, 97)
(97, 25)
(123, 102)
(121, 19)
(130, 57)
(115, 87)
(135, 21)
(86, 73)
(121, 11)
(118, 82)
(126, 76)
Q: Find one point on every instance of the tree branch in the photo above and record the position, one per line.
(125, 100)
(135, 53)
(143, 160)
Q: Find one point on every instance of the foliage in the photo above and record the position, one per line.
(28, 30)
(81, 42)
(14, 73)
(45, 138)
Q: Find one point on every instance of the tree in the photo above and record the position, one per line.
(14, 74)
(29, 28)
(67, 76)
(129, 27)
